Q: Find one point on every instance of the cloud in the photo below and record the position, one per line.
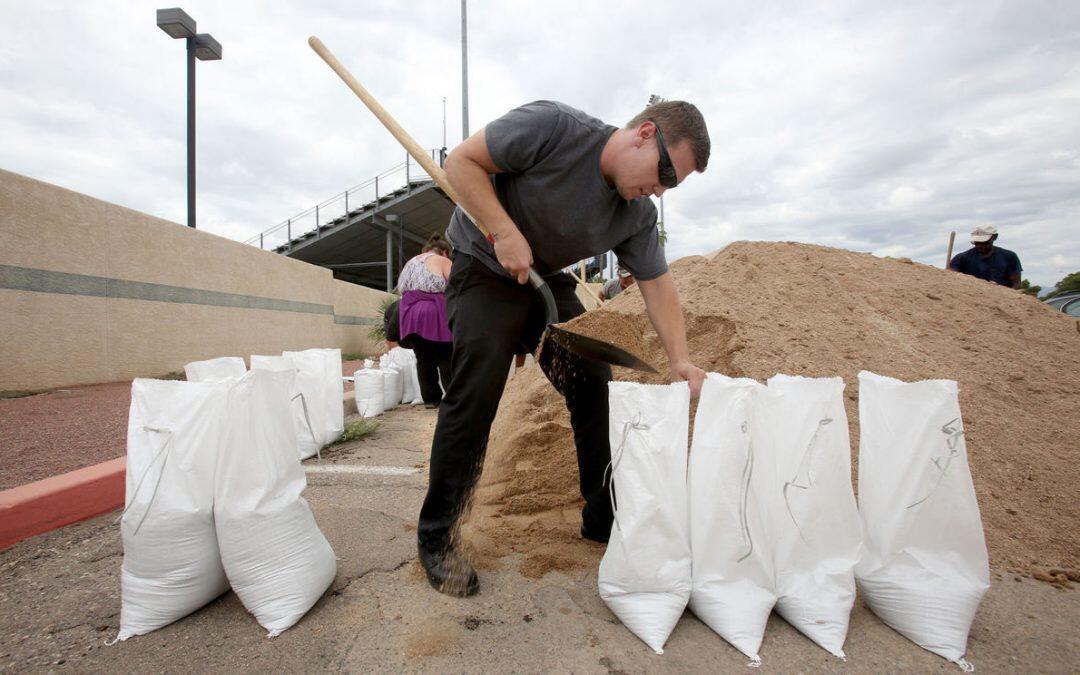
(874, 126)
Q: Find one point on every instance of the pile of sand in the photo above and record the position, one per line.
(757, 309)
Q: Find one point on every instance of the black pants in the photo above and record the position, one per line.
(432, 365)
(492, 318)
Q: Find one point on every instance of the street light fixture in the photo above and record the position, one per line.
(177, 24)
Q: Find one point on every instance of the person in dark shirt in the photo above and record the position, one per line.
(553, 185)
(391, 325)
(986, 261)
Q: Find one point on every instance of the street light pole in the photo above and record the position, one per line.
(177, 24)
(464, 72)
(191, 132)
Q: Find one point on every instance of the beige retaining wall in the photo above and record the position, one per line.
(95, 292)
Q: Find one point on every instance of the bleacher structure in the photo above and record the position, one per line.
(368, 232)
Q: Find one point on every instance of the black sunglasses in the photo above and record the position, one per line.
(665, 168)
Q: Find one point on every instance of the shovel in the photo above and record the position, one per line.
(581, 345)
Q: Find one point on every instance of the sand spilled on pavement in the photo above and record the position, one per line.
(755, 309)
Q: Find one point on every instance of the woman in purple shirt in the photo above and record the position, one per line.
(423, 323)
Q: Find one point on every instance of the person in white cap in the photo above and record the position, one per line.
(986, 261)
(620, 283)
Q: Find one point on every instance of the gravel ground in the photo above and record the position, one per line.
(62, 430)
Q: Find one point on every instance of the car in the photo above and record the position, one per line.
(1069, 303)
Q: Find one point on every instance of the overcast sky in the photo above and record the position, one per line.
(872, 126)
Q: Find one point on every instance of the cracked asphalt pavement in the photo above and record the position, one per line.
(60, 603)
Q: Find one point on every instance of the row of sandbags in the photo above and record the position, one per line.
(213, 492)
(395, 381)
(761, 516)
(317, 396)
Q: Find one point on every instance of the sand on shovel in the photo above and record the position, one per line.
(754, 309)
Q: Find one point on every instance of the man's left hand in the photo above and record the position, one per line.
(687, 372)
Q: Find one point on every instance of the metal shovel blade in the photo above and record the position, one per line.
(598, 350)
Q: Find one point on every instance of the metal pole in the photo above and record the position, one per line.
(401, 243)
(407, 183)
(318, 230)
(191, 132)
(288, 232)
(464, 73)
(444, 121)
(389, 260)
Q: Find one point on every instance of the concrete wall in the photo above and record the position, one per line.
(94, 292)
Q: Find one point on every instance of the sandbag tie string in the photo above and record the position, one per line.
(307, 418)
(135, 493)
(616, 458)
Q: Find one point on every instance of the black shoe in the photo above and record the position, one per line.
(600, 537)
(448, 572)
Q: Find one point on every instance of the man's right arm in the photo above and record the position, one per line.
(468, 168)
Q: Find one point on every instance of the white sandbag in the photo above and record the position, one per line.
(925, 568)
(276, 558)
(215, 369)
(318, 378)
(393, 386)
(801, 438)
(732, 590)
(369, 364)
(308, 441)
(370, 388)
(405, 361)
(644, 575)
(171, 562)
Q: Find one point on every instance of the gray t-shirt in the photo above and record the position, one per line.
(553, 190)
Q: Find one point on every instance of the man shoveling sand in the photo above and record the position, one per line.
(554, 186)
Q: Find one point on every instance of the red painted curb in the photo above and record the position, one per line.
(47, 504)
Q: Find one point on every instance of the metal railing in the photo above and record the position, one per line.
(366, 195)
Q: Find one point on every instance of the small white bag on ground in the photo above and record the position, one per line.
(369, 386)
(801, 438)
(308, 440)
(318, 374)
(171, 566)
(925, 566)
(644, 575)
(276, 558)
(393, 387)
(215, 369)
(732, 589)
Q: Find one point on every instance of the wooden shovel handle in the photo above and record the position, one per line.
(419, 154)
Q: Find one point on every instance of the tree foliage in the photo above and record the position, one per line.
(1071, 282)
(1026, 287)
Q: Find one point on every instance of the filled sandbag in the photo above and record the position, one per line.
(732, 589)
(308, 441)
(276, 558)
(801, 438)
(214, 369)
(405, 361)
(370, 387)
(318, 373)
(644, 576)
(924, 568)
(393, 387)
(171, 565)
